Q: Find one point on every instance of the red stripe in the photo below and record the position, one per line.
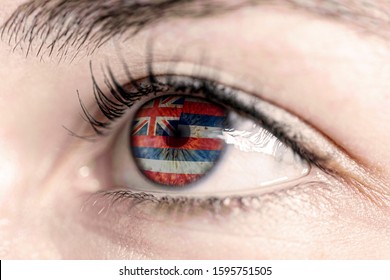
(203, 109)
(188, 108)
(160, 112)
(192, 144)
(172, 179)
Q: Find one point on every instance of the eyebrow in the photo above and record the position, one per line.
(53, 27)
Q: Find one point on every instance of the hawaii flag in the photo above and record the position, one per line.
(176, 139)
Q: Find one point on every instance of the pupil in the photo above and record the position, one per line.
(179, 137)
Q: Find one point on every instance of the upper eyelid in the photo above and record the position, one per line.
(57, 27)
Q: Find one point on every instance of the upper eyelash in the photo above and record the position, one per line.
(119, 100)
(115, 108)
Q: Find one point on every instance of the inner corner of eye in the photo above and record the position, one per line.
(175, 140)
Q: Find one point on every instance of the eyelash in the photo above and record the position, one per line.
(120, 99)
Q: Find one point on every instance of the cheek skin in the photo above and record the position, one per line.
(32, 141)
(32, 134)
(24, 229)
(8, 169)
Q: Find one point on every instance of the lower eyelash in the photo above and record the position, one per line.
(181, 204)
(216, 206)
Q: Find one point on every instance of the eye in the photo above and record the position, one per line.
(193, 145)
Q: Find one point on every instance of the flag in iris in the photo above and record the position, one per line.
(176, 139)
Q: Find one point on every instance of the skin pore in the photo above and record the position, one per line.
(322, 64)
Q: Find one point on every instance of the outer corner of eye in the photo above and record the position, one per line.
(179, 141)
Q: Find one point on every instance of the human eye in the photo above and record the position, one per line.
(156, 126)
(181, 135)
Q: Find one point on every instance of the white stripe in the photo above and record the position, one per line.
(202, 131)
(179, 167)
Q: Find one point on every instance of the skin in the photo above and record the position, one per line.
(331, 75)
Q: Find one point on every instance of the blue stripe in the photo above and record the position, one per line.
(176, 154)
(202, 120)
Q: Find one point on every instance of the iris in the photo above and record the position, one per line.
(177, 139)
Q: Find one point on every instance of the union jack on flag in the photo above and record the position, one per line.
(175, 139)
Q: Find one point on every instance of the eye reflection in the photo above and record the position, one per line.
(176, 139)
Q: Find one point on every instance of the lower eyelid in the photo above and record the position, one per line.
(314, 207)
(249, 200)
(210, 212)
